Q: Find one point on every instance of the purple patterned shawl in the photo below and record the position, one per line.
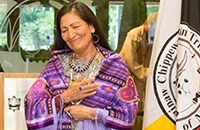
(115, 102)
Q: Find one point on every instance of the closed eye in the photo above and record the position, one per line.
(76, 26)
(64, 31)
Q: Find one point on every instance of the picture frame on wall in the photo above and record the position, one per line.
(13, 88)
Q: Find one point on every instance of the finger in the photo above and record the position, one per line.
(89, 94)
(89, 91)
(87, 81)
(89, 88)
(67, 109)
(79, 78)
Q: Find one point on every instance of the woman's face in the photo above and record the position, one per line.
(76, 32)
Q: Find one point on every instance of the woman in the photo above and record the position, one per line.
(84, 85)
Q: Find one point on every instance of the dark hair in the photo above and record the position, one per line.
(86, 14)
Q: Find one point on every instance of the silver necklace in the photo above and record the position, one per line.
(71, 74)
(81, 68)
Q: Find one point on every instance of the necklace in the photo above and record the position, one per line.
(81, 68)
(91, 71)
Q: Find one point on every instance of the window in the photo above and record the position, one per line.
(115, 14)
(36, 27)
(152, 7)
(3, 34)
(152, 10)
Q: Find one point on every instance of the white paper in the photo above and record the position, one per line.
(18, 87)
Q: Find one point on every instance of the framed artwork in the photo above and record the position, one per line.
(13, 88)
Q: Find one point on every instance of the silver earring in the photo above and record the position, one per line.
(95, 38)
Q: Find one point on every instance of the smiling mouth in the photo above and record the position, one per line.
(73, 40)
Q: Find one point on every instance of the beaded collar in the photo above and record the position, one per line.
(71, 74)
(81, 68)
(91, 68)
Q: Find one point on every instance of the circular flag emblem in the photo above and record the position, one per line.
(177, 78)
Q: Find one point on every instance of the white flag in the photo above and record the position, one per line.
(173, 88)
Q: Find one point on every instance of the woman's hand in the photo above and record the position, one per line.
(79, 89)
(80, 112)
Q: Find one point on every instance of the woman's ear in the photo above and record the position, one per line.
(92, 29)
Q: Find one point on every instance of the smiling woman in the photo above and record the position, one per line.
(84, 85)
(77, 34)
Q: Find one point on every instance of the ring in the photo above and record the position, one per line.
(80, 88)
(76, 102)
(69, 114)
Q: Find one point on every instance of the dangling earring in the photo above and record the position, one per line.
(95, 38)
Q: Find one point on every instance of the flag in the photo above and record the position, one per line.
(172, 100)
